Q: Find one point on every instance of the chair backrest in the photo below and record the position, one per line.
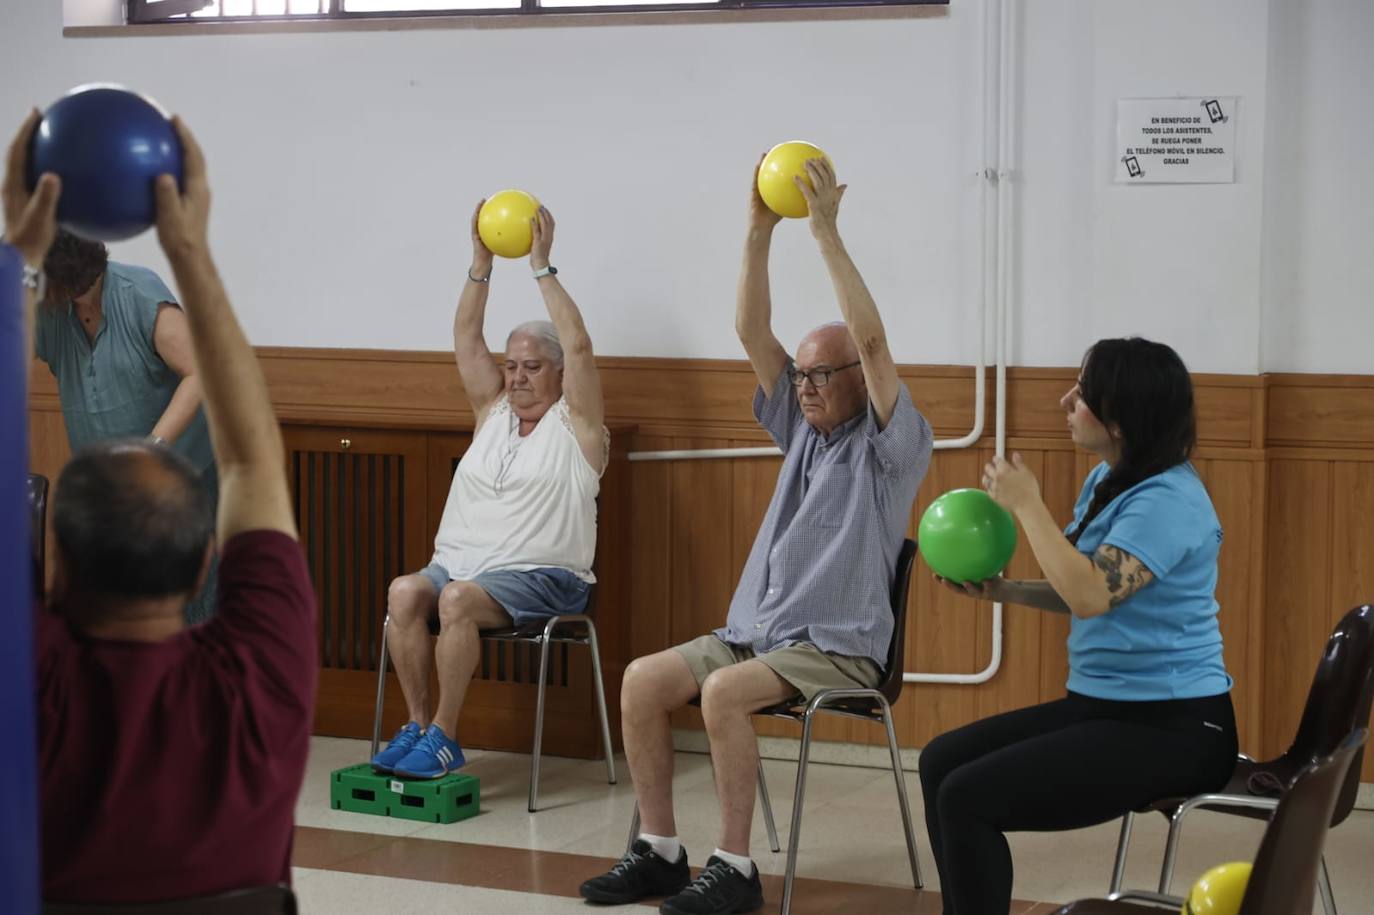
(891, 687)
(38, 530)
(1284, 879)
(1339, 700)
(259, 900)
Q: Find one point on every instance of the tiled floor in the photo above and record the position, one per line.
(852, 857)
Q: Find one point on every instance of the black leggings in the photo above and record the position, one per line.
(1062, 765)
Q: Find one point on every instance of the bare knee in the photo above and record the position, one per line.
(410, 599)
(719, 697)
(653, 685)
(459, 603)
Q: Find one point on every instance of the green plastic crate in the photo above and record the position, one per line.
(441, 800)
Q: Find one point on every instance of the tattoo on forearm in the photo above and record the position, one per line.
(1125, 575)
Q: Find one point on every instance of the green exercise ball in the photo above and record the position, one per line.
(966, 536)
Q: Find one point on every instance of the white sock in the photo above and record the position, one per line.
(666, 847)
(742, 863)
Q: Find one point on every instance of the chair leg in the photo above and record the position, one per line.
(1166, 870)
(381, 691)
(634, 829)
(601, 704)
(538, 725)
(794, 835)
(768, 812)
(901, 796)
(1122, 844)
(1324, 884)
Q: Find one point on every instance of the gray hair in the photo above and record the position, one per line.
(545, 333)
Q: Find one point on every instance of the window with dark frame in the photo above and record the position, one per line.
(182, 11)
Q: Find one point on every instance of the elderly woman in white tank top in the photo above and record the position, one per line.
(519, 531)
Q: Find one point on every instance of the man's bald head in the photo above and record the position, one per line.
(830, 349)
(131, 520)
(831, 344)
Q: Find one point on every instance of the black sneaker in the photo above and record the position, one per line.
(639, 874)
(718, 890)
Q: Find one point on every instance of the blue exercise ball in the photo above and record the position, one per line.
(108, 145)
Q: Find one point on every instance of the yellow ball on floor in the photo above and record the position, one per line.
(1220, 891)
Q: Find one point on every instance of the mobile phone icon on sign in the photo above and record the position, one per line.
(1214, 111)
(1133, 166)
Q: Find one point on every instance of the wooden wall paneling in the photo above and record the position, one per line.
(945, 637)
(1352, 545)
(1017, 683)
(701, 548)
(1060, 482)
(1313, 410)
(615, 614)
(651, 550)
(360, 497)
(1229, 485)
(1297, 586)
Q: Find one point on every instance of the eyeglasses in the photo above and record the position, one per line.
(818, 377)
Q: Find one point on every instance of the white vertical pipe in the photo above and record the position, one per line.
(1006, 40)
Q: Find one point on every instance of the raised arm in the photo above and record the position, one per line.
(754, 304)
(860, 312)
(30, 218)
(581, 380)
(244, 431)
(481, 378)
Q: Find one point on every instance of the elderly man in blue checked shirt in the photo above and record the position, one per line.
(812, 608)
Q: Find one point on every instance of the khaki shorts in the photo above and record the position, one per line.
(804, 666)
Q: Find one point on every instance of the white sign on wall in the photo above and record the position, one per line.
(1176, 140)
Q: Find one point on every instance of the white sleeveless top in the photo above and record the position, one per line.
(520, 503)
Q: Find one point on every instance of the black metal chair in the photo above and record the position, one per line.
(38, 529)
(1337, 703)
(262, 900)
(1285, 875)
(572, 629)
(866, 704)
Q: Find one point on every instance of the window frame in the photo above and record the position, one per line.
(137, 12)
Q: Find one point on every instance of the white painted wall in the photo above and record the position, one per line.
(346, 166)
(1318, 309)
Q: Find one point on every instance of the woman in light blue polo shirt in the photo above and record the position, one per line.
(1148, 713)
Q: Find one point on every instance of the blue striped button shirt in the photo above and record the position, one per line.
(821, 567)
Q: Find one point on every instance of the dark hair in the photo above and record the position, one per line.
(1144, 389)
(132, 520)
(73, 265)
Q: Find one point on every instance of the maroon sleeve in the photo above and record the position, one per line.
(265, 613)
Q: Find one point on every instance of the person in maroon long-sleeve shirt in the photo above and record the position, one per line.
(171, 757)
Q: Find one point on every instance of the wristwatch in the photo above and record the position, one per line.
(546, 271)
(34, 278)
(157, 440)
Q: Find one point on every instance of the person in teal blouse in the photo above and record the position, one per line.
(1148, 711)
(118, 344)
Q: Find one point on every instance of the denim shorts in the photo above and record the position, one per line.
(528, 596)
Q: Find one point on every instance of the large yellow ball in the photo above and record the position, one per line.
(1219, 891)
(503, 223)
(783, 163)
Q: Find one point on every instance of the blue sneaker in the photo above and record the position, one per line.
(434, 756)
(400, 745)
